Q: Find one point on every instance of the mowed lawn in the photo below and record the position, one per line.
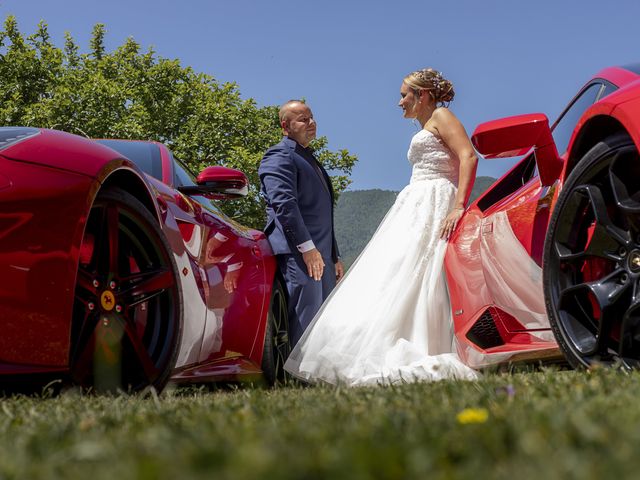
(531, 425)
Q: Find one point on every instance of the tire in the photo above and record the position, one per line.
(127, 316)
(276, 338)
(591, 262)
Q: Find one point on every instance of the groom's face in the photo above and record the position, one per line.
(298, 124)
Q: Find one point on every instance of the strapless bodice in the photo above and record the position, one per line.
(431, 158)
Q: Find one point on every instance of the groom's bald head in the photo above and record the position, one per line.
(296, 120)
(287, 107)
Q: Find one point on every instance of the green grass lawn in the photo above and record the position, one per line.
(539, 425)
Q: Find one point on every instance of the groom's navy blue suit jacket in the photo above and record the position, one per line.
(299, 200)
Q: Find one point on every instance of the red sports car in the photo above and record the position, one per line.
(547, 262)
(118, 269)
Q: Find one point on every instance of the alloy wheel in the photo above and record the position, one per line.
(127, 308)
(592, 258)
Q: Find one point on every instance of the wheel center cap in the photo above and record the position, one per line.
(107, 300)
(634, 261)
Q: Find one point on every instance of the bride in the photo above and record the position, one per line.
(389, 319)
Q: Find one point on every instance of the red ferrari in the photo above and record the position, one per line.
(546, 263)
(118, 268)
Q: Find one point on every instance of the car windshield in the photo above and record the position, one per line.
(11, 135)
(182, 175)
(145, 155)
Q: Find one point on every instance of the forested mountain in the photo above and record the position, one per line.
(359, 212)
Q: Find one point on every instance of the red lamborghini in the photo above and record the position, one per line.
(118, 269)
(546, 263)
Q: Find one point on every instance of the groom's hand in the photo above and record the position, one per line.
(339, 270)
(315, 264)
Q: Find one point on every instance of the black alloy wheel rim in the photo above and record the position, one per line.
(595, 252)
(126, 306)
(280, 332)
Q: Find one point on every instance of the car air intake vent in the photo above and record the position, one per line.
(484, 332)
(11, 135)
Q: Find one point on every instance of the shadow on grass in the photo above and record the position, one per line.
(231, 386)
(39, 385)
(527, 367)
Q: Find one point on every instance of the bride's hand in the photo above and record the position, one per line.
(449, 223)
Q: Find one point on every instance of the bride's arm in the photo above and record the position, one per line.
(451, 131)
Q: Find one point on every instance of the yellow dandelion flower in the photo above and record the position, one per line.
(472, 415)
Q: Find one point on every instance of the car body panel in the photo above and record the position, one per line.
(39, 236)
(62, 151)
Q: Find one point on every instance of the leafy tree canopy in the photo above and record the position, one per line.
(135, 94)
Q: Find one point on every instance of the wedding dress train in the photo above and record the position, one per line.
(389, 319)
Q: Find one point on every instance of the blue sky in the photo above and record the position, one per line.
(348, 57)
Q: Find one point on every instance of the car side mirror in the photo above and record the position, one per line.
(514, 136)
(218, 182)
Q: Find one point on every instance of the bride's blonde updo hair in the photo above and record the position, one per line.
(440, 89)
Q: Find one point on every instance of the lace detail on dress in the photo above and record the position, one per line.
(431, 159)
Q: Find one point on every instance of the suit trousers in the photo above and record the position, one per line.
(306, 295)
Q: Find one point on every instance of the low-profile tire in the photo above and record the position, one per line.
(591, 263)
(276, 339)
(127, 315)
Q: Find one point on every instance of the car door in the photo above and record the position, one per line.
(233, 278)
(514, 228)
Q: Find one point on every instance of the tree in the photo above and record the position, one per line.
(133, 94)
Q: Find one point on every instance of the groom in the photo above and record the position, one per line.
(299, 227)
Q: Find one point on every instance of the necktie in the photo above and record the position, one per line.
(316, 165)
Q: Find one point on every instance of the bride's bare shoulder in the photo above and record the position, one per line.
(444, 118)
(443, 114)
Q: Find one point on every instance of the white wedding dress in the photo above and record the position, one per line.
(389, 319)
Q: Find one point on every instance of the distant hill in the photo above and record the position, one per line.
(359, 212)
